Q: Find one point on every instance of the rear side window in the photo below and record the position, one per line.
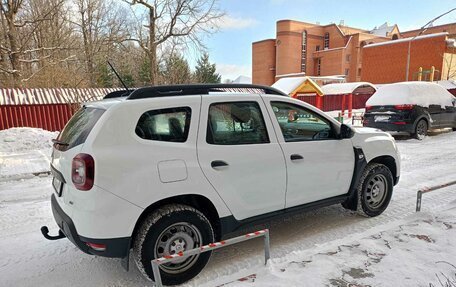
(78, 127)
(171, 125)
(236, 123)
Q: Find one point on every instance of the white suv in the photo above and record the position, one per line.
(166, 169)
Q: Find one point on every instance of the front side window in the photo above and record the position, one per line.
(236, 123)
(299, 124)
(171, 125)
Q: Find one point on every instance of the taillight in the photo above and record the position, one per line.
(403, 107)
(368, 108)
(83, 171)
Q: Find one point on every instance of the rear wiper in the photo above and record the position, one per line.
(59, 142)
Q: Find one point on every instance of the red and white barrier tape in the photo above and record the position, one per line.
(208, 246)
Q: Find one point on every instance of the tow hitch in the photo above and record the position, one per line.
(45, 232)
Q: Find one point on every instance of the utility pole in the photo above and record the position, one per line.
(422, 30)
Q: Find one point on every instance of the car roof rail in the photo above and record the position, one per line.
(118, 94)
(200, 89)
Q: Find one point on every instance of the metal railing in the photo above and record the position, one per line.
(211, 246)
(420, 192)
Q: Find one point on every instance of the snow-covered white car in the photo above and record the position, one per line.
(412, 107)
(170, 168)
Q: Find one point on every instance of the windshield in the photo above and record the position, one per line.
(78, 128)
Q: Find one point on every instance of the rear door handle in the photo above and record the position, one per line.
(218, 163)
(296, 157)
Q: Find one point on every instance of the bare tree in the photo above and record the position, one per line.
(22, 55)
(181, 21)
(101, 23)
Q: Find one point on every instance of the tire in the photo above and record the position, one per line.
(375, 189)
(166, 231)
(421, 129)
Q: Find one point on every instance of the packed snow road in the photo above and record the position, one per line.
(27, 259)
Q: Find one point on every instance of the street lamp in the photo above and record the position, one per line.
(422, 30)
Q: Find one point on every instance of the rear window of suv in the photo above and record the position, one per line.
(78, 128)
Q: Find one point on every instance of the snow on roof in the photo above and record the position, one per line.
(243, 80)
(406, 39)
(415, 93)
(343, 88)
(383, 30)
(51, 96)
(288, 85)
(447, 84)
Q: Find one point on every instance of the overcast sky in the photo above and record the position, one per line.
(247, 21)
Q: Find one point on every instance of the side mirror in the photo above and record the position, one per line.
(345, 132)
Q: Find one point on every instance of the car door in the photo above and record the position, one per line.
(436, 114)
(449, 114)
(239, 154)
(319, 165)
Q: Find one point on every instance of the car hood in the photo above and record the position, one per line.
(366, 130)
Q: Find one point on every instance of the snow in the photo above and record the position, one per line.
(25, 139)
(399, 255)
(343, 88)
(324, 247)
(415, 93)
(447, 84)
(406, 40)
(288, 85)
(24, 152)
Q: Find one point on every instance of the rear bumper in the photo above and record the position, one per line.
(115, 247)
(409, 128)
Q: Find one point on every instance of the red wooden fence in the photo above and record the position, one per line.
(51, 117)
(49, 109)
(336, 102)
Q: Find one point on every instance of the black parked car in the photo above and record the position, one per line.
(412, 107)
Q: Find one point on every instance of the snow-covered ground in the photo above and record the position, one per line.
(24, 152)
(329, 246)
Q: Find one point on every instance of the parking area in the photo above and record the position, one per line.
(24, 207)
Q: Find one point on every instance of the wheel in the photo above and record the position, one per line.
(421, 129)
(375, 189)
(169, 230)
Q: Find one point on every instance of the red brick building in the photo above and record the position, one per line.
(387, 62)
(329, 50)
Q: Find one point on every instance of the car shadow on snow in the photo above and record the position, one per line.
(431, 133)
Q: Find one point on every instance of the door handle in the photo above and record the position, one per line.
(218, 163)
(296, 157)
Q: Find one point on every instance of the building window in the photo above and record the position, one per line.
(395, 37)
(317, 48)
(347, 58)
(359, 72)
(303, 51)
(326, 43)
(319, 67)
(347, 71)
